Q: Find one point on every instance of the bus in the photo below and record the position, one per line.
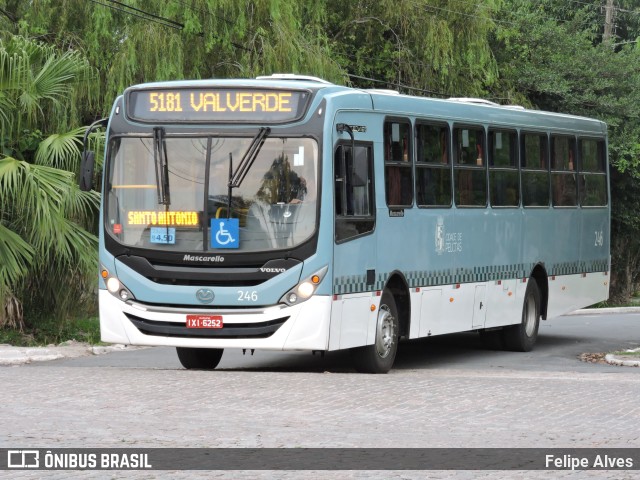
(289, 213)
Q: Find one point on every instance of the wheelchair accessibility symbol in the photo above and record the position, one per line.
(225, 233)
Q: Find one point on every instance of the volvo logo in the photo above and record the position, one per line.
(204, 295)
(272, 270)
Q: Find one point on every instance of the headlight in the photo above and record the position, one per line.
(305, 289)
(115, 287)
(113, 284)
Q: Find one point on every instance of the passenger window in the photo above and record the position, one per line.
(470, 167)
(564, 187)
(397, 164)
(593, 173)
(433, 167)
(354, 200)
(503, 168)
(535, 172)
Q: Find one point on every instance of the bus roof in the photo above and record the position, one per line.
(391, 102)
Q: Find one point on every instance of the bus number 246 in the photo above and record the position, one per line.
(247, 296)
(599, 238)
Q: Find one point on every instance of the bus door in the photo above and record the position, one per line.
(354, 261)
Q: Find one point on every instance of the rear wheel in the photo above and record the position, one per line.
(522, 337)
(199, 358)
(379, 357)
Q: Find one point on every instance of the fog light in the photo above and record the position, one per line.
(113, 285)
(293, 298)
(305, 289)
(124, 295)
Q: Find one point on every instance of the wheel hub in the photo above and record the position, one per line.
(385, 332)
(530, 316)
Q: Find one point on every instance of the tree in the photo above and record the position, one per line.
(43, 244)
(552, 56)
(138, 41)
(436, 47)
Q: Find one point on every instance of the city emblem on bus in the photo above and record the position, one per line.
(204, 295)
(440, 236)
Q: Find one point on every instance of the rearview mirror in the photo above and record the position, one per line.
(87, 165)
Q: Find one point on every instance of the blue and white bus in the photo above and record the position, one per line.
(289, 213)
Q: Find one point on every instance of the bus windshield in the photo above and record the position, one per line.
(273, 208)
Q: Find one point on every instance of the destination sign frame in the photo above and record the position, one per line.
(216, 105)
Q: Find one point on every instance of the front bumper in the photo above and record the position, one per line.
(280, 327)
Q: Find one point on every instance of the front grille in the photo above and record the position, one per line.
(232, 330)
(212, 276)
(209, 282)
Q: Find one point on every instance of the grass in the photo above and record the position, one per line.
(49, 331)
(629, 353)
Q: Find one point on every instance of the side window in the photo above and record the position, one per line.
(593, 173)
(433, 167)
(535, 169)
(470, 167)
(564, 187)
(354, 200)
(397, 163)
(503, 168)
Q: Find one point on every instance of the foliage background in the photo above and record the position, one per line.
(62, 63)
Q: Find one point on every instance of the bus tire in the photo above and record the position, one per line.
(379, 357)
(522, 337)
(199, 358)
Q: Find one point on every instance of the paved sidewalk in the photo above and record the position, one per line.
(10, 355)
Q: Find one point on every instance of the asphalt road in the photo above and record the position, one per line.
(445, 392)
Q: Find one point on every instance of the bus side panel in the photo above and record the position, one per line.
(595, 249)
(560, 253)
(500, 265)
(489, 246)
(581, 281)
(537, 238)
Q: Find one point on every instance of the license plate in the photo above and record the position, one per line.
(204, 321)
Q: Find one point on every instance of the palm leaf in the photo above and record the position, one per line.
(16, 256)
(61, 150)
(46, 209)
(40, 80)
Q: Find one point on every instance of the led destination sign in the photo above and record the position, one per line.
(216, 105)
(182, 219)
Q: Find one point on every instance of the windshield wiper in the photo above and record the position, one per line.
(236, 179)
(162, 166)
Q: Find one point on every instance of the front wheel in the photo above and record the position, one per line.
(379, 357)
(522, 337)
(199, 358)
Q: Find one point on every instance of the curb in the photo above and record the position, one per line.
(603, 311)
(620, 359)
(12, 356)
(613, 360)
